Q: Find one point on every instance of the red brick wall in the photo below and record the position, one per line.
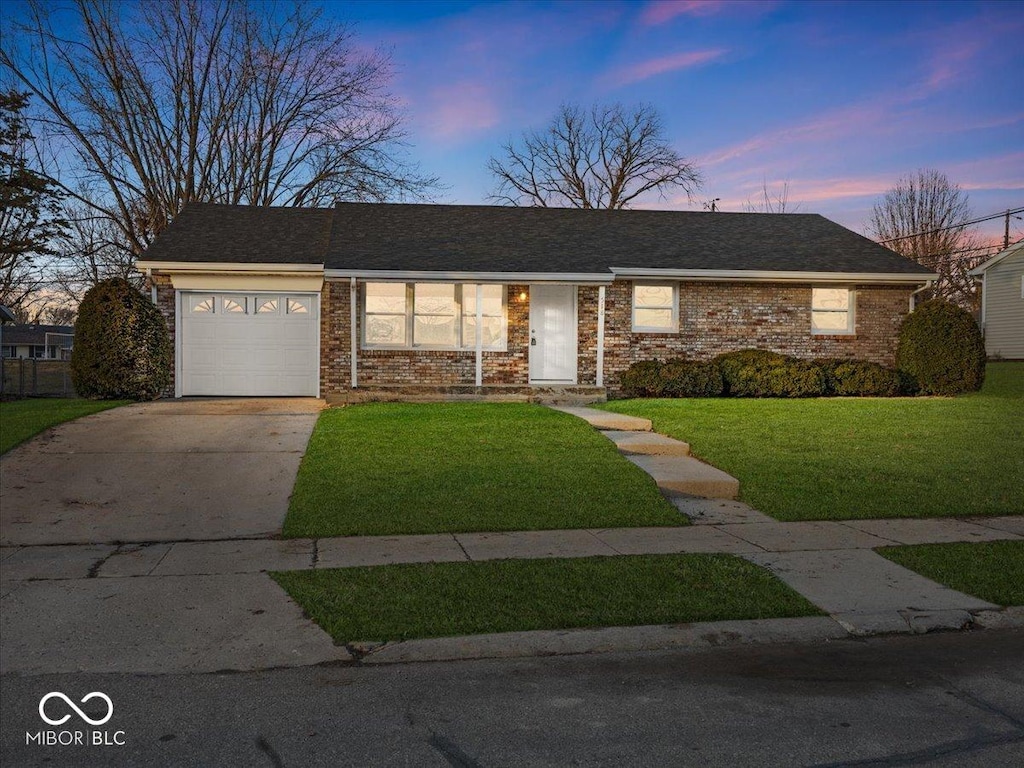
(417, 367)
(165, 303)
(722, 317)
(713, 318)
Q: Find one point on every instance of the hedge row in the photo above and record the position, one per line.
(758, 373)
(941, 352)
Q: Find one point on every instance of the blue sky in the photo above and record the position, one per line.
(840, 99)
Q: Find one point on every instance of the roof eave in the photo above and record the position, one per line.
(776, 276)
(592, 278)
(234, 267)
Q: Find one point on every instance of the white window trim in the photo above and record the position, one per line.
(461, 344)
(675, 306)
(851, 313)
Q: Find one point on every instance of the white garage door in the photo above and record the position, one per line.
(249, 344)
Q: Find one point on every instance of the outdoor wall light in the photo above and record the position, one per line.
(522, 296)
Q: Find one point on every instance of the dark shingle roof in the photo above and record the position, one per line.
(240, 233)
(32, 334)
(476, 238)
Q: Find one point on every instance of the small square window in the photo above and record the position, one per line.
(832, 311)
(234, 305)
(655, 307)
(298, 306)
(201, 305)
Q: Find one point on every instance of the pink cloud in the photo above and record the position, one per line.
(461, 109)
(660, 11)
(634, 73)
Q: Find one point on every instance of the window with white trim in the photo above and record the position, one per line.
(385, 316)
(433, 316)
(832, 311)
(492, 316)
(655, 307)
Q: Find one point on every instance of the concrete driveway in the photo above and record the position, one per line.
(162, 471)
(213, 470)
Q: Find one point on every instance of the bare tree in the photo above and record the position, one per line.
(605, 157)
(30, 220)
(923, 217)
(157, 104)
(772, 200)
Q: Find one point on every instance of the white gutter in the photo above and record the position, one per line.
(219, 266)
(473, 277)
(769, 276)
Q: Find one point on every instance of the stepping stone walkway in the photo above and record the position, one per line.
(665, 459)
(831, 563)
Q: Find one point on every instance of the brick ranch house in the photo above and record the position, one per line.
(373, 301)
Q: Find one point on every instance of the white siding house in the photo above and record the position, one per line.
(1002, 302)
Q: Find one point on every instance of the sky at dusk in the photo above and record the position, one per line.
(840, 99)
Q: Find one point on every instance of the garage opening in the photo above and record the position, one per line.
(249, 344)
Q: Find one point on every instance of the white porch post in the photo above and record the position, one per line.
(353, 315)
(479, 334)
(600, 336)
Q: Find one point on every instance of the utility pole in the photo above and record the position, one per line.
(1006, 231)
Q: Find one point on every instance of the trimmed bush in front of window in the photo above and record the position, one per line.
(760, 373)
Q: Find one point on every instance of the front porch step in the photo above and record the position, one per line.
(647, 444)
(496, 393)
(605, 420)
(684, 474)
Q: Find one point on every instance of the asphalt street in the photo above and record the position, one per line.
(947, 699)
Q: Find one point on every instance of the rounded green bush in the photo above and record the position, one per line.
(692, 378)
(860, 378)
(941, 347)
(122, 349)
(760, 373)
(643, 379)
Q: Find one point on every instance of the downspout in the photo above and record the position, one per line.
(152, 285)
(599, 379)
(913, 295)
(354, 338)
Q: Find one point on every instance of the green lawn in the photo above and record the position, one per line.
(404, 468)
(991, 570)
(21, 419)
(399, 602)
(843, 458)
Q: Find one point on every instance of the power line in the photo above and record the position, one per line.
(999, 215)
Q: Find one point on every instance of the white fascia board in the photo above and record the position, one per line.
(472, 277)
(765, 276)
(220, 266)
(981, 269)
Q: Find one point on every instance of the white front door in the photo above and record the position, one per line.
(553, 334)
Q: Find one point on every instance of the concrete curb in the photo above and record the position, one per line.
(507, 645)
(683, 637)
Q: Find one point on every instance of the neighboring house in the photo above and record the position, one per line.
(1002, 302)
(379, 300)
(42, 342)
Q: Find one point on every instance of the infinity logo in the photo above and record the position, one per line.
(79, 712)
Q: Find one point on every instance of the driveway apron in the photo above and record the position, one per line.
(163, 471)
(208, 470)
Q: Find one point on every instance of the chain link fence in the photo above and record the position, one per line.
(27, 377)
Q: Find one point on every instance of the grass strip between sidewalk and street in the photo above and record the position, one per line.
(407, 601)
(410, 468)
(850, 458)
(990, 570)
(22, 419)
